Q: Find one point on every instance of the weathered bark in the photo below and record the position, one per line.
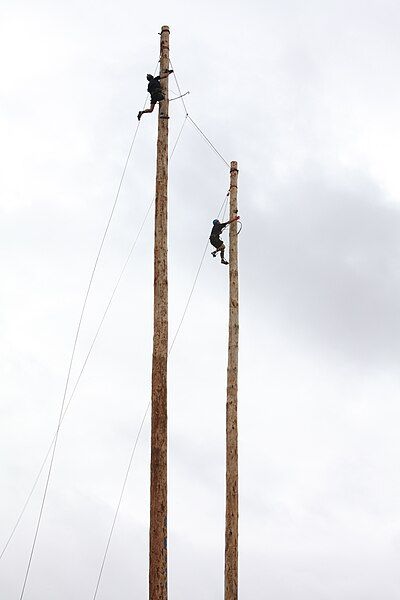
(232, 492)
(158, 580)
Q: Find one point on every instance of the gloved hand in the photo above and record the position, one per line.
(237, 218)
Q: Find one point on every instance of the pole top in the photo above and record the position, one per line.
(234, 166)
(164, 28)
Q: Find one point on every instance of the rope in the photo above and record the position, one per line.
(61, 412)
(208, 141)
(26, 502)
(87, 356)
(79, 376)
(119, 501)
(76, 383)
(177, 97)
(225, 207)
(179, 136)
(195, 124)
(70, 366)
(145, 415)
(179, 89)
(195, 280)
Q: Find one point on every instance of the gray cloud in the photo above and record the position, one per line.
(306, 99)
(327, 264)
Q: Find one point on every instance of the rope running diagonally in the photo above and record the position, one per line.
(69, 372)
(195, 124)
(208, 141)
(62, 412)
(78, 380)
(119, 279)
(195, 281)
(179, 89)
(145, 415)
(71, 362)
(87, 357)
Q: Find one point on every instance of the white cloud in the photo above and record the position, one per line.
(306, 98)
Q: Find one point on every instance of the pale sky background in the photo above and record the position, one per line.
(305, 96)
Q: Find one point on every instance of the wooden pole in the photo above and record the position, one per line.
(158, 582)
(232, 492)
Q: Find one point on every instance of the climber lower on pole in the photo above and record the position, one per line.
(215, 239)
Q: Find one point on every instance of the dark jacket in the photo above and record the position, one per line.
(217, 229)
(154, 86)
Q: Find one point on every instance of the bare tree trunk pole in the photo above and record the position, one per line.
(232, 491)
(158, 581)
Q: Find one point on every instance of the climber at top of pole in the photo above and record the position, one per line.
(155, 91)
(215, 239)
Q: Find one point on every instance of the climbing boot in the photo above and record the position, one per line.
(224, 262)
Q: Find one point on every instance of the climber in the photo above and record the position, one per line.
(155, 91)
(215, 239)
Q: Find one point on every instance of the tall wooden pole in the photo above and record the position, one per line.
(158, 582)
(232, 491)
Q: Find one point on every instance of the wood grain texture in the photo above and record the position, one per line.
(158, 576)
(232, 492)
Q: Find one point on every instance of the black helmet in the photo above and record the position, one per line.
(149, 77)
(215, 222)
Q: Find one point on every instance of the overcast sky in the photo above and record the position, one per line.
(305, 96)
